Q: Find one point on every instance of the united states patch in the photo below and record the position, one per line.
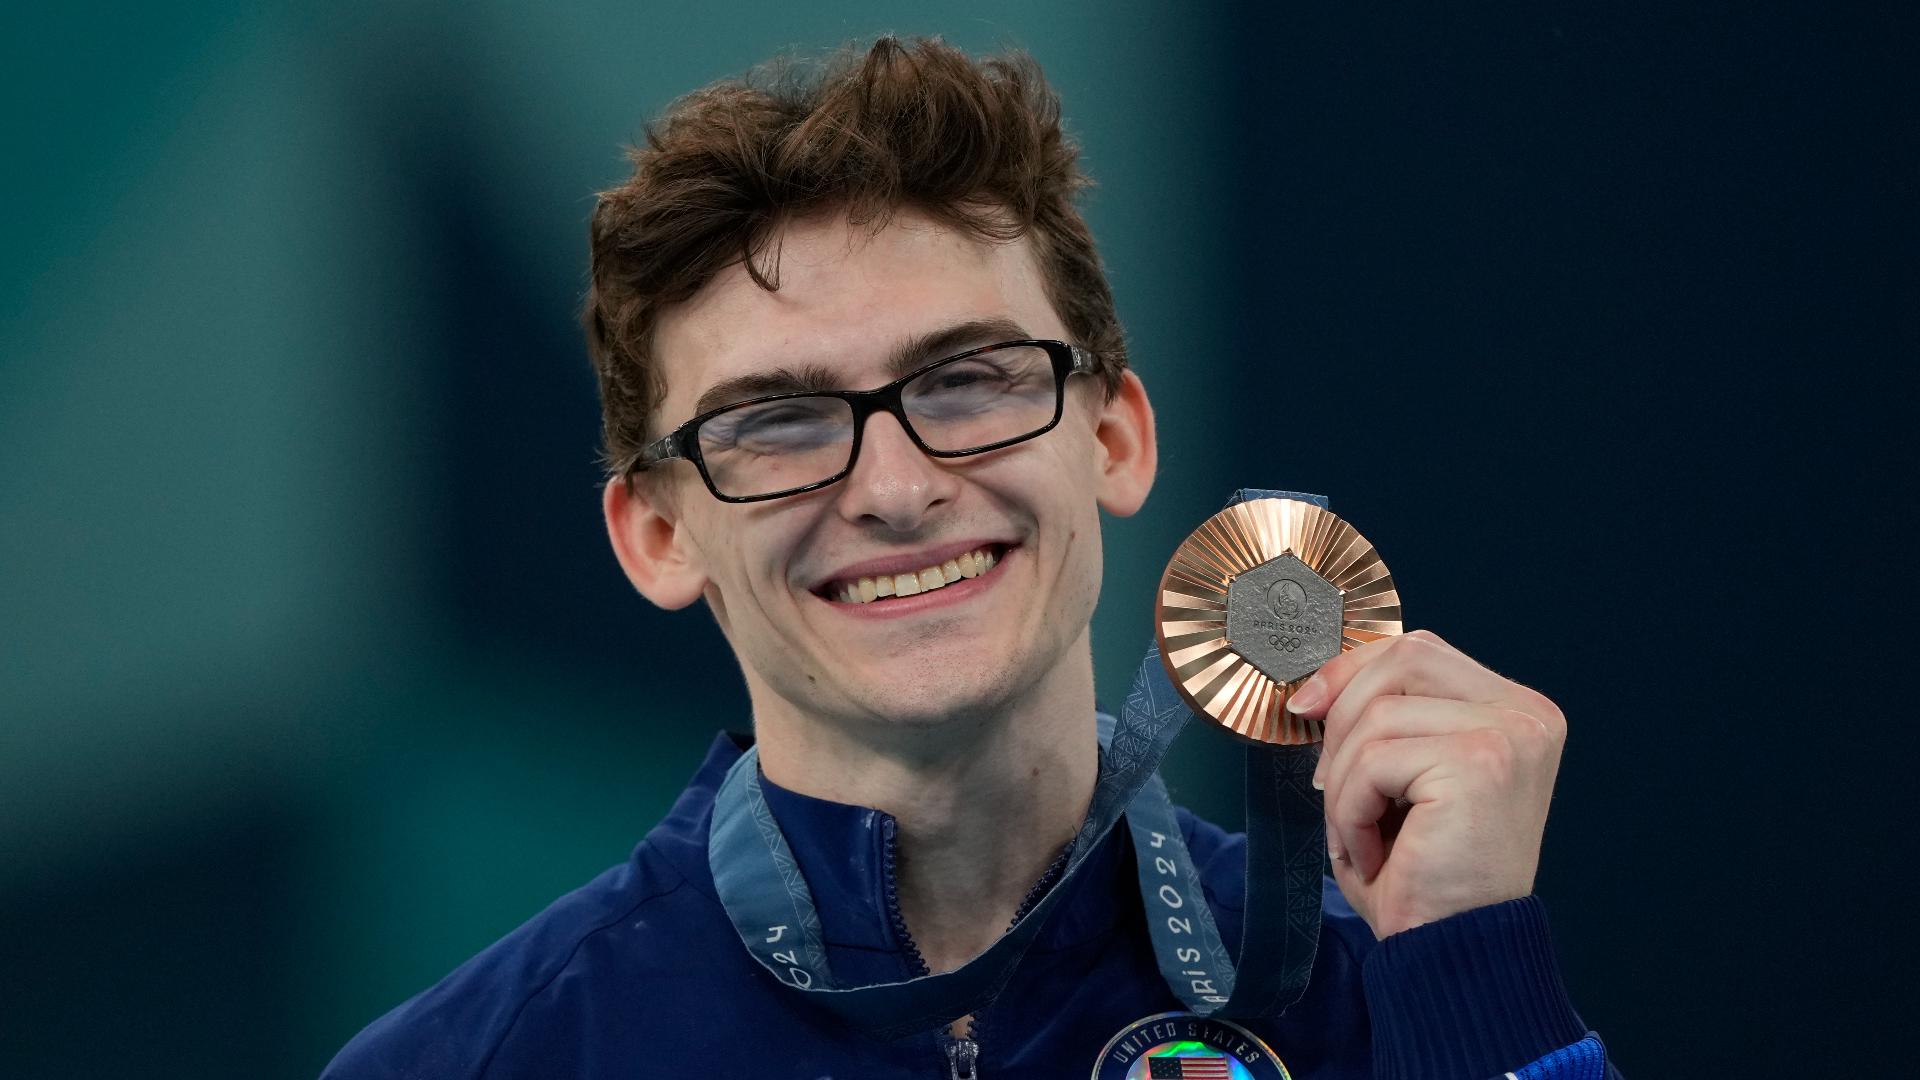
(1186, 1046)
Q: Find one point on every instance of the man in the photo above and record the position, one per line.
(866, 396)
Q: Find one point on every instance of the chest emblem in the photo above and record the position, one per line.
(1182, 1046)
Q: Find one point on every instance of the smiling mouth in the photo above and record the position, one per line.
(868, 590)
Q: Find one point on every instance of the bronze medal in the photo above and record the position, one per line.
(1255, 600)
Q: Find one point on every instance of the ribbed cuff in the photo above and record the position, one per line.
(1469, 997)
(1584, 1060)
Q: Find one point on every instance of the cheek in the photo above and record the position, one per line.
(1090, 562)
(743, 573)
(1081, 555)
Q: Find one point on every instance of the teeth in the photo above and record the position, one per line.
(868, 589)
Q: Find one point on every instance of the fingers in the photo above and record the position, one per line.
(1416, 664)
(1398, 717)
(1421, 751)
(1360, 796)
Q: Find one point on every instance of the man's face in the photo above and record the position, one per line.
(773, 572)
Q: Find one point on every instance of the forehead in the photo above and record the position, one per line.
(847, 297)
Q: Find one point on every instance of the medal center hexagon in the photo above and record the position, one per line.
(1284, 619)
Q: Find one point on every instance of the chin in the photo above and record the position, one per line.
(943, 705)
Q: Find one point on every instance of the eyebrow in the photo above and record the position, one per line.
(915, 351)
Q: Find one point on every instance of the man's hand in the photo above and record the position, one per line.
(1437, 775)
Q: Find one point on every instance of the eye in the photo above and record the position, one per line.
(982, 382)
(958, 378)
(777, 427)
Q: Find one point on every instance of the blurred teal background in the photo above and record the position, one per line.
(316, 674)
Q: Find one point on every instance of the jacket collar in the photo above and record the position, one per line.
(845, 852)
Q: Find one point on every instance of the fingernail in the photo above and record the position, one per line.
(1333, 848)
(1319, 784)
(1308, 696)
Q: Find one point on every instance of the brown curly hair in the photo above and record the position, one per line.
(974, 144)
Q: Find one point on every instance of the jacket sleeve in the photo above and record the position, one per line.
(1477, 996)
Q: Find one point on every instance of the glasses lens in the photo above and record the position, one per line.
(983, 399)
(768, 446)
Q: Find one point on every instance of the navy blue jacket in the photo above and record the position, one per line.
(639, 973)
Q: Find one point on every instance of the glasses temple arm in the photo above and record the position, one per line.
(661, 449)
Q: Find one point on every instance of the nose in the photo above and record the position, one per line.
(893, 483)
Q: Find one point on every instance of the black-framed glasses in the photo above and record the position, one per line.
(786, 444)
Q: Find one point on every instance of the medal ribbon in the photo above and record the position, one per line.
(766, 897)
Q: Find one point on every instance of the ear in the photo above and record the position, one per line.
(1129, 454)
(651, 543)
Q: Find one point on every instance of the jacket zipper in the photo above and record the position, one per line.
(963, 1058)
(963, 1052)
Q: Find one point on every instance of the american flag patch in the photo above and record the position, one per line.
(1190, 1067)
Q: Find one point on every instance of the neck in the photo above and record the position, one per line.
(982, 810)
